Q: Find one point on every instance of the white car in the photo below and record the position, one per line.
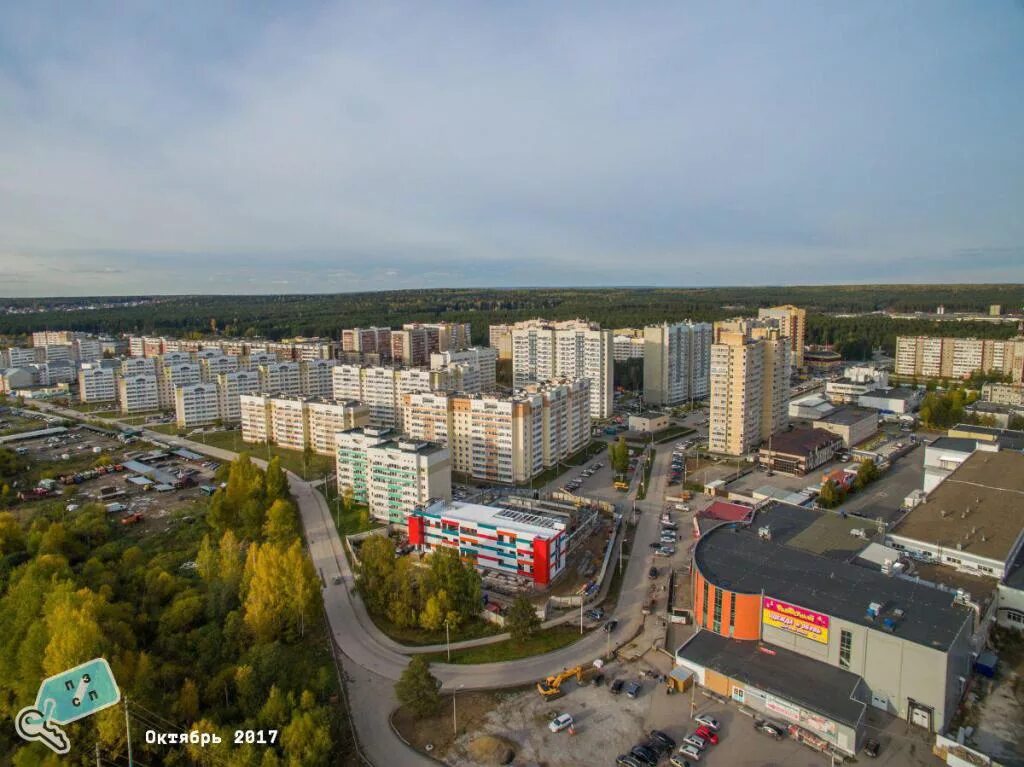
(560, 722)
(707, 721)
(690, 752)
(696, 741)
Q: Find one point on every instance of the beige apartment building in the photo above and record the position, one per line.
(295, 422)
(381, 389)
(750, 372)
(96, 383)
(196, 405)
(499, 338)
(943, 357)
(793, 324)
(508, 439)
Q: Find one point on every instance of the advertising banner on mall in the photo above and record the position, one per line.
(806, 623)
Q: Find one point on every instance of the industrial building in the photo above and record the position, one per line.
(900, 400)
(522, 543)
(853, 424)
(793, 626)
(799, 451)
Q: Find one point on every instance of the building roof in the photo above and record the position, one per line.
(821, 687)
(1007, 439)
(956, 444)
(831, 536)
(898, 392)
(800, 441)
(531, 522)
(735, 557)
(727, 512)
(978, 508)
(848, 416)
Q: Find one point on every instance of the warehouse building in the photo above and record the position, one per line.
(853, 424)
(786, 585)
(901, 400)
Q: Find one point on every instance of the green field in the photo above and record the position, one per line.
(291, 460)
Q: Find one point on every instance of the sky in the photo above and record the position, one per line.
(259, 147)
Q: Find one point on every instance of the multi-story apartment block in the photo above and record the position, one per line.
(96, 383)
(792, 322)
(315, 378)
(450, 336)
(298, 422)
(508, 439)
(391, 475)
(381, 389)
(627, 344)
(483, 358)
(1003, 394)
(231, 386)
(86, 350)
(255, 358)
(175, 357)
(54, 337)
(135, 366)
(196, 405)
(750, 371)
(137, 393)
(367, 341)
(280, 378)
(941, 357)
(543, 350)
(413, 345)
(136, 346)
(172, 374)
(213, 364)
(509, 541)
(677, 362)
(499, 338)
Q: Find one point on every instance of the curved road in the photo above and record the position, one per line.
(377, 660)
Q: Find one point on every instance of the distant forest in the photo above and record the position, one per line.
(284, 316)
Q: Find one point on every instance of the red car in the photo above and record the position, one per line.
(708, 735)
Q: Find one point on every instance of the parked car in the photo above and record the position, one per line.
(667, 742)
(678, 760)
(696, 741)
(708, 735)
(628, 760)
(767, 728)
(690, 752)
(707, 721)
(616, 686)
(560, 722)
(666, 551)
(645, 754)
(596, 614)
(632, 689)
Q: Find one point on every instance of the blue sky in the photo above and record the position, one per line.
(294, 147)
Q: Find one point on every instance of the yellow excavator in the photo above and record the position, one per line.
(551, 687)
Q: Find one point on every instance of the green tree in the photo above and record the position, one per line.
(458, 579)
(831, 495)
(12, 538)
(435, 611)
(281, 526)
(403, 603)
(277, 481)
(307, 739)
(1016, 422)
(417, 688)
(187, 707)
(521, 619)
(867, 473)
(376, 572)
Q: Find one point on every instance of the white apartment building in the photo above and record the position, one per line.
(316, 380)
(750, 372)
(53, 337)
(677, 362)
(170, 374)
(628, 346)
(231, 386)
(138, 366)
(295, 422)
(255, 358)
(86, 350)
(1003, 394)
(483, 358)
(543, 350)
(280, 378)
(138, 393)
(391, 475)
(196, 405)
(943, 357)
(381, 389)
(17, 357)
(506, 439)
(96, 383)
(367, 341)
(212, 365)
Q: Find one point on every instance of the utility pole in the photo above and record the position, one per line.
(581, 614)
(97, 755)
(448, 642)
(128, 732)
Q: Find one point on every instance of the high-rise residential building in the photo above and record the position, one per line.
(390, 474)
(172, 372)
(1003, 394)
(499, 338)
(628, 344)
(57, 353)
(96, 383)
(413, 345)
(793, 324)
(295, 422)
(315, 378)
(544, 350)
(508, 439)
(483, 358)
(17, 357)
(196, 405)
(942, 357)
(213, 364)
(137, 393)
(367, 341)
(750, 371)
(86, 350)
(381, 389)
(231, 386)
(54, 337)
(136, 366)
(280, 378)
(677, 362)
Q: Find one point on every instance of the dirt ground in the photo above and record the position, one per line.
(996, 707)
(438, 731)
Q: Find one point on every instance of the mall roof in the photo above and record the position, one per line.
(530, 522)
(978, 509)
(821, 687)
(898, 392)
(800, 441)
(847, 416)
(735, 557)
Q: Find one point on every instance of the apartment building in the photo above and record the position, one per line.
(677, 362)
(295, 422)
(86, 350)
(510, 541)
(172, 372)
(96, 383)
(280, 378)
(507, 439)
(750, 372)
(413, 345)
(381, 389)
(54, 337)
(231, 386)
(792, 322)
(1003, 394)
(941, 357)
(315, 379)
(138, 393)
(392, 475)
(137, 366)
(196, 405)
(213, 364)
(444, 336)
(499, 338)
(367, 341)
(627, 344)
(544, 350)
(482, 358)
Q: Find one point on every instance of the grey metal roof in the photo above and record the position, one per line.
(739, 560)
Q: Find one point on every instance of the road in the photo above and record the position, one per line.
(376, 661)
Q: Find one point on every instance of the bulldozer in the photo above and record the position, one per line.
(551, 687)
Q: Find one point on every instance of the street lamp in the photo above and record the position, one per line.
(455, 721)
(448, 643)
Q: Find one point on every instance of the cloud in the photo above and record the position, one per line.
(174, 148)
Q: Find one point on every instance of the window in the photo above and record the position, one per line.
(1013, 616)
(717, 625)
(732, 614)
(845, 648)
(704, 605)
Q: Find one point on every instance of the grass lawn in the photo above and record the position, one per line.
(164, 428)
(596, 447)
(351, 521)
(417, 637)
(291, 460)
(546, 641)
